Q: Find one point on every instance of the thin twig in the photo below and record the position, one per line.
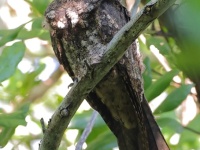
(43, 125)
(192, 130)
(87, 131)
(134, 9)
(39, 90)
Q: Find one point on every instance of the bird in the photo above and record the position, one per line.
(80, 31)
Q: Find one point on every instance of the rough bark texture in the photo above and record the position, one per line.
(80, 31)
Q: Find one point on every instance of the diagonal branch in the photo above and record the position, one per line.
(115, 50)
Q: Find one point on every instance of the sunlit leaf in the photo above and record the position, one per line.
(10, 58)
(38, 6)
(160, 44)
(160, 85)
(12, 119)
(190, 136)
(174, 99)
(35, 33)
(37, 23)
(16, 118)
(5, 135)
(22, 83)
(9, 122)
(10, 35)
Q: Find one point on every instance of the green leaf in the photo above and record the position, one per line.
(174, 99)
(10, 35)
(5, 135)
(10, 58)
(160, 44)
(104, 141)
(99, 132)
(38, 6)
(170, 123)
(12, 119)
(16, 118)
(189, 138)
(79, 121)
(36, 31)
(22, 83)
(39, 33)
(9, 122)
(37, 23)
(160, 85)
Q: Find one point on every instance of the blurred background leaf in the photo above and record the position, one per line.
(174, 99)
(160, 85)
(10, 58)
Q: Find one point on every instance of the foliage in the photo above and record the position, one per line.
(25, 96)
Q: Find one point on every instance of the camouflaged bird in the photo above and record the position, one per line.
(80, 31)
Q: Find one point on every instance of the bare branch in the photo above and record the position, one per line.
(87, 130)
(41, 89)
(115, 50)
(135, 8)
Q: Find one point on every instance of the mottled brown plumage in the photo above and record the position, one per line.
(80, 31)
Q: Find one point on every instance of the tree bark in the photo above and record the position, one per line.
(80, 34)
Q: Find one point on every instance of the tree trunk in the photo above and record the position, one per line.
(80, 32)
